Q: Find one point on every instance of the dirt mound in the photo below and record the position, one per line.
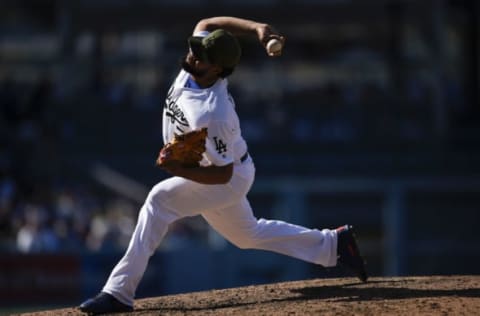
(437, 295)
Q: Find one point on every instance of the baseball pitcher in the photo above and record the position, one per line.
(212, 170)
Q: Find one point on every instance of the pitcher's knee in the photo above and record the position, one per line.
(155, 205)
(249, 237)
(246, 243)
(156, 195)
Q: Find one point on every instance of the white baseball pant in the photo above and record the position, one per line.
(227, 210)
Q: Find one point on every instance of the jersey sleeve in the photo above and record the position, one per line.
(219, 144)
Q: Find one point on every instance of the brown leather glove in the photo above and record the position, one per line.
(186, 149)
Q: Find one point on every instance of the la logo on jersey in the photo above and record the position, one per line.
(220, 146)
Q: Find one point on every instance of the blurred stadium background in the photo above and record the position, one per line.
(371, 117)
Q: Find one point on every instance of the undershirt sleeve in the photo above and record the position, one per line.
(201, 33)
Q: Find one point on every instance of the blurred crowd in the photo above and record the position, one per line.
(43, 211)
(340, 91)
(38, 211)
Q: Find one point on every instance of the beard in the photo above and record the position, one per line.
(190, 69)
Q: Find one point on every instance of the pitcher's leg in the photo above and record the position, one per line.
(169, 200)
(125, 277)
(239, 226)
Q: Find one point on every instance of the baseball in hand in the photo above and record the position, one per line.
(274, 46)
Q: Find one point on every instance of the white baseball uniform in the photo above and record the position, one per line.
(225, 207)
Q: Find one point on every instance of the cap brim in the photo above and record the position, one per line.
(196, 46)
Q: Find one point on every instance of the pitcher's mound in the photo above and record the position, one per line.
(432, 295)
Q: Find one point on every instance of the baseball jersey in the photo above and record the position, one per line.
(187, 109)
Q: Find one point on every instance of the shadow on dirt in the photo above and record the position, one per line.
(350, 294)
(371, 291)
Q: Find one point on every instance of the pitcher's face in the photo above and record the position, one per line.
(195, 66)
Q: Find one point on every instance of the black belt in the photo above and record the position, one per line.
(244, 157)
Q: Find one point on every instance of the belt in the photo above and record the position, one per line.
(244, 157)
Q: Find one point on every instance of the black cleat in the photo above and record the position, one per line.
(104, 303)
(348, 254)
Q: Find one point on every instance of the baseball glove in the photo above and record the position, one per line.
(186, 149)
